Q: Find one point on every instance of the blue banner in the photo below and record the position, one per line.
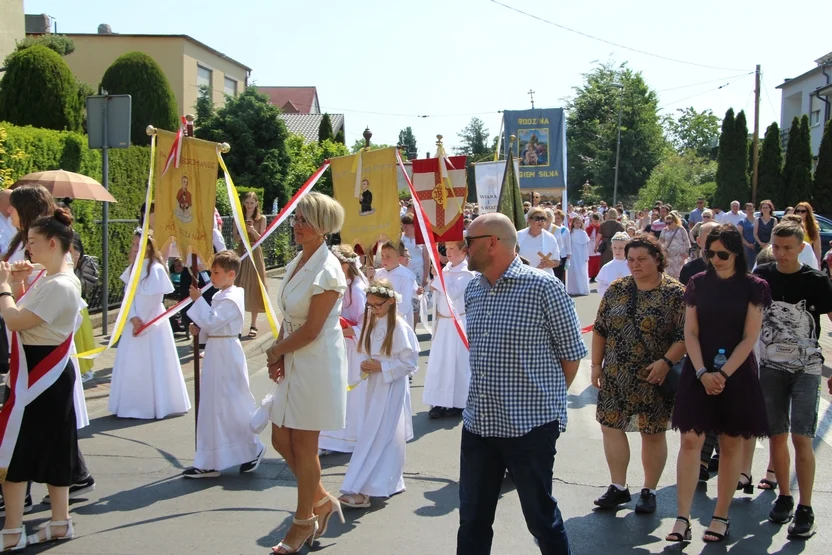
(540, 146)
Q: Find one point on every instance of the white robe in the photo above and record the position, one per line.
(577, 278)
(377, 464)
(147, 379)
(404, 283)
(610, 272)
(223, 436)
(448, 372)
(344, 440)
(544, 243)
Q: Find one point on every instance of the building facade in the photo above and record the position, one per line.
(12, 26)
(808, 94)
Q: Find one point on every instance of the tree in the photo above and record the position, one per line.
(64, 46)
(732, 161)
(153, 103)
(258, 157)
(204, 105)
(693, 130)
(407, 139)
(308, 157)
(592, 126)
(770, 169)
(340, 138)
(797, 170)
(38, 89)
(474, 141)
(325, 132)
(678, 180)
(822, 190)
(359, 144)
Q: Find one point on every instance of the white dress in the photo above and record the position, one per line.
(147, 379)
(448, 372)
(577, 279)
(313, 393)
(377, 464)
(404, 283)
(611, 271)
(344, 440)
(223, 436)
(544, 243)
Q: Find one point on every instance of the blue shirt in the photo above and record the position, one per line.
(519, 330)
(695, 216)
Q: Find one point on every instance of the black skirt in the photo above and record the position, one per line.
(47, 447)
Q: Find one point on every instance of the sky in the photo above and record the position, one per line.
(385, 64)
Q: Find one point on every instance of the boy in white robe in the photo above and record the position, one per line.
(448, 372)
(617, 267)
(402, 279)
(223, 436)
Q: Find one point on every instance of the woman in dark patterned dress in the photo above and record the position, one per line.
(637, 351)
(724, 311)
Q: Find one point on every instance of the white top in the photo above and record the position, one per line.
(562, 236)
(610, 272)
(807, 256)
(417, 264)
(56, 300)
(530, 246)
(7, 233)
(404, 283)
(731, 218)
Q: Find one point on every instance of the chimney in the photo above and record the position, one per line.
(105, 29)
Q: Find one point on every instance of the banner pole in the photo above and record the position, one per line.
(189, 132)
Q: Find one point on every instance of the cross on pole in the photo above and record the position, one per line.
(531, 95)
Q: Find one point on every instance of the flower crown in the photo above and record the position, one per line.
(345, 259)
(384, 292)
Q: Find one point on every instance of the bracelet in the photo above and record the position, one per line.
(701, 372)
(667, 361)
(5, 294)
(595, 366)
(724, 375)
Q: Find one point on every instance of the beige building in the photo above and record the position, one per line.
(186, 62)
(12, 26)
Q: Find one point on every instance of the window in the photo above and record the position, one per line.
(814, 118)
(203, 77)
(230, 87)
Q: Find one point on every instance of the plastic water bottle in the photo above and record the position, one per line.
(719, 360)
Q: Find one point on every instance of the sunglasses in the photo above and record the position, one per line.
(801, 211)
(470, 239)
(706, 217)
(538, 219)
(723, 255)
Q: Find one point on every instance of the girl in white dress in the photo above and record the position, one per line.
(391, 353)
(352, 311)
(448, 372)
(147, 379)
(577, 279)
(617, 267)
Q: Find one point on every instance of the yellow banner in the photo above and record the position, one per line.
(186, 197)
(371, 211)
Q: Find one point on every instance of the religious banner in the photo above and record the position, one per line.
(540, 146)
(489, 179)
(442, 192)
(186, 196)
(365, 184)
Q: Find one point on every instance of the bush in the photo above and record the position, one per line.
(153, 103)
(39, 89)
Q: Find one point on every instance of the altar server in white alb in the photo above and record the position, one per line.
(617, 267)
(391, 353)
(352, 312)
(577, 278)
(403, 280)
(223, 436)
(147, 379)
(448, 371)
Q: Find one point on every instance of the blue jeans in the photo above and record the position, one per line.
(530, 459)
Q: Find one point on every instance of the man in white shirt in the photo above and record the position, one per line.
(734, 217)
(7, 230)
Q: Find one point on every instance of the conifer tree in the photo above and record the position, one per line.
(325, 129)
(822, 187)
(797, 170)
(770, 170)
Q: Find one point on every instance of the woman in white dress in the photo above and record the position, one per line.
(535, 240)
(577, 281)
(352, 310)
(309, 363)
(617, 267)
(147, 379)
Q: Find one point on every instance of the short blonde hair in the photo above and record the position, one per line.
(537, 211)
(322, 212)
(612, 214)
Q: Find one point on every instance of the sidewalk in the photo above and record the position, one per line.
(99, 387)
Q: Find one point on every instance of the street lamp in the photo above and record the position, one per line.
(620, 87)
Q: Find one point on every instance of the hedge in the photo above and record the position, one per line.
(224, 207)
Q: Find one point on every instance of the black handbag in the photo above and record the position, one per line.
(670, 384)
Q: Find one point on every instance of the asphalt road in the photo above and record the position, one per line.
(142, 506)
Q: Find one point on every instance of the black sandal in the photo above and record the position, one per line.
(678, 536)
(704, 475)
(719, 537)
(746, 488)
(766, 484)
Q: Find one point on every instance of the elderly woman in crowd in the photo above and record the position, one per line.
(676, 244)
(535, 241)
(707, 217)
(637, 338)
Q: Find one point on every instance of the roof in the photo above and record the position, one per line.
(186, 37)
(301, 99)
(306, 125)
(800, 77)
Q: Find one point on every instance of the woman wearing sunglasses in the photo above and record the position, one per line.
(537, 245)
(811, 231)
(723, 317)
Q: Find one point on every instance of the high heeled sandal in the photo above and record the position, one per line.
(746, 488)
(68, 535)
(309, 540)
(719, 537)
(21, 543)
(765, 483)
(355, 501)
(680, 536)
(336, 508)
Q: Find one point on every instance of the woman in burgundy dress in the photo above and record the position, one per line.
(724, 313)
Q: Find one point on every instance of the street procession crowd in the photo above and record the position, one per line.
(708, 326)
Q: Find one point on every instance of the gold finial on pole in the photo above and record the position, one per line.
(150, 130)
(511, 139)
(225, 148)
(439, 140)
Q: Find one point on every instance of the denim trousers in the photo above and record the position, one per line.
(529, 459)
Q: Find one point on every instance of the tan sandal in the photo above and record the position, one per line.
(324, 517)
(355, 501)
(284, 548)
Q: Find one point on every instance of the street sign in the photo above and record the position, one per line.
(115, 110)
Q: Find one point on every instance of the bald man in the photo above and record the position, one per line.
(7, 230)
(525, 347)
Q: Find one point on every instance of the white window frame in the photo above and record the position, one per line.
(814, 118)
(225, 82)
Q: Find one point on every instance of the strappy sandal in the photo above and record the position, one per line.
(336, 508)
(679, 536)
(283, 548)
(351, 501)
(252, 332)
(765, 483)
(48, 537)
(21, 542)
(719, 537)
(746, 488)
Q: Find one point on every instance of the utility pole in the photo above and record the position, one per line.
(531, 95)
(756, 145)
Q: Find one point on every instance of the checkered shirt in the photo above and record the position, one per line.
(519, 330)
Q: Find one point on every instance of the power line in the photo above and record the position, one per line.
(705, 82)
(704, 92)
(765, 88)
(559, 26)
